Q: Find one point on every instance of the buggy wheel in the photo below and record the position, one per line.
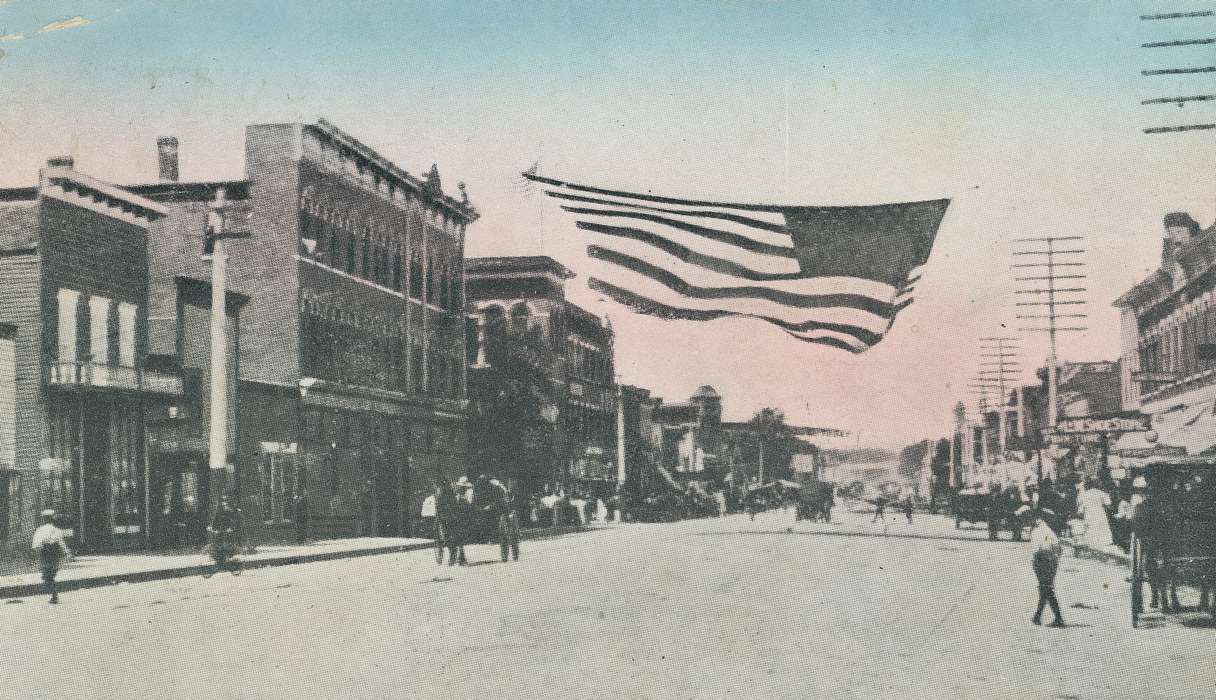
(1137, 581)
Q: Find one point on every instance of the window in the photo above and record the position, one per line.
(99, 330)
(8, 404)
(126, 482)
(415, 274)
(416, 377)
(126, 334)
(278, 472)
(67, 324)
(11, 504)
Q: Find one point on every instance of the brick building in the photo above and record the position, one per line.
(563, 353)
(1168, 344)
(352, 341)
(74, 382)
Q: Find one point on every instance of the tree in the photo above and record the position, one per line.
(912, 457)
(510, 432)
(771, 439)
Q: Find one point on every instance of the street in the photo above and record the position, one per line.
(698, 609)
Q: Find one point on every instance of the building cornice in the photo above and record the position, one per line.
(80, 190)
(464, 211)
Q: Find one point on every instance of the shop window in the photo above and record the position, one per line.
(126, 482)
(10, 504)
(278, 475)
(8, 403)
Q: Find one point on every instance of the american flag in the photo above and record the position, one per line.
(834, 276)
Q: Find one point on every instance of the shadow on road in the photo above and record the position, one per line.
(838, 533)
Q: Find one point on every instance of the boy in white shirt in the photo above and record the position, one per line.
(50, 548)
(1045, 562)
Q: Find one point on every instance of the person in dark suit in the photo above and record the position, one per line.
(299, 513)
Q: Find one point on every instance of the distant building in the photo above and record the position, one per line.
(1168, 343)
(529, 333)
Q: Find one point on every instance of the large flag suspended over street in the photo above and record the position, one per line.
(830, 275)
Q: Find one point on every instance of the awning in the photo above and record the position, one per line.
(1183, 429)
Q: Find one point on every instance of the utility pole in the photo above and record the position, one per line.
(1185, 100)
(1056, 264)
(220, 226)
(999, 366)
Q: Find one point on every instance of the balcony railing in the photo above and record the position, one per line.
(88, 375)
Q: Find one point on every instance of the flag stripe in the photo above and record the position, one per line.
(669, 277)
(858, 323)
(706, 277)
(844, 343)
(773, 231)
(742, 264)
(806, 330)
(653, 198)
(713, 234)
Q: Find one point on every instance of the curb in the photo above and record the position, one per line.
(1082, 552)
(32, 589)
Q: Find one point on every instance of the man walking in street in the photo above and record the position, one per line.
(908, 509)
(1045, 562)
(48, 544)
(880, 509)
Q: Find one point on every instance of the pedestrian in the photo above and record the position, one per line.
(299, 507)
(908, 509)
(508, 523)
(1046, 559)
(444, 501)
(880, 509)
(51, 550)
(225, 531)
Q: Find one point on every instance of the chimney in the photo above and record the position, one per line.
(166, 151)
(1180, 229)
(60, 162)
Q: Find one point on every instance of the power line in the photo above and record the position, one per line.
(1178, 15)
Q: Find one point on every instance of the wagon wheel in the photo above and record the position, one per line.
(1137, 580)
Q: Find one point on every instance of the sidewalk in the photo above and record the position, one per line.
(90, 571)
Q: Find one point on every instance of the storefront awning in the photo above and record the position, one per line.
(1185, 429)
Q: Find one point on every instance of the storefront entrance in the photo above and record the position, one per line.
(179, 500)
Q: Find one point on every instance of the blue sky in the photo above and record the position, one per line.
(1025, 113)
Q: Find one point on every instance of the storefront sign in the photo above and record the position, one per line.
(1155, 377)
(1097, 424)
(1074, 439)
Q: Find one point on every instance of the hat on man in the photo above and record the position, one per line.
(463, 482)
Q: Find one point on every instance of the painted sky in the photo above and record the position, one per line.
(1026, 114)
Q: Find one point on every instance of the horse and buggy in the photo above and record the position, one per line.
(999, 510)
(1173, 535)
(815, 499)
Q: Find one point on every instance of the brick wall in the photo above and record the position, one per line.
(19, 292)
(264, 268)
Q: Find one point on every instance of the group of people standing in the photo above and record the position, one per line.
(471, 512)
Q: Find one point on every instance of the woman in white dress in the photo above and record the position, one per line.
(1092, 506)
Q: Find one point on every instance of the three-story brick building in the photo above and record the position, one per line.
(352, 343)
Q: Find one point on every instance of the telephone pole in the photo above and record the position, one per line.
(1054, 265)
(999, 365)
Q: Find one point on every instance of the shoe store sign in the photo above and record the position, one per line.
(1096, 424)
